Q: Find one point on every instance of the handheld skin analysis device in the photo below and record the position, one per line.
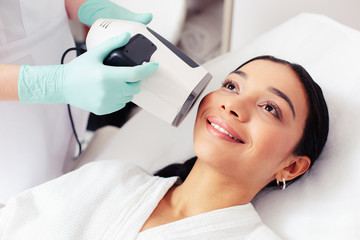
(172, 89)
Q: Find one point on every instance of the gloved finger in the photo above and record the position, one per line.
(144, 18)
(142, 71)
(131, 88)
(125, 14)
(110, 109)
(120, 106)
(123, 99)
(103, 49)
(107, 110)
(110, 106)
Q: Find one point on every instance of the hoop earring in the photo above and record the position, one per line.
(283, 184)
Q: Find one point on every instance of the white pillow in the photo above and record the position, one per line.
(324, 204)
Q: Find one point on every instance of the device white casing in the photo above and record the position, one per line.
(166, 92)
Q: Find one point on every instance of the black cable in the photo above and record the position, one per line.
(74, 130)
(68, 106)
(66, 52)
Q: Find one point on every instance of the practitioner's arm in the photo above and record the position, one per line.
(9, 75)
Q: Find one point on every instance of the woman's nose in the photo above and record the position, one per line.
(231, 111)
(239, 113)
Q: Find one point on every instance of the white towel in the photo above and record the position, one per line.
(201, 37)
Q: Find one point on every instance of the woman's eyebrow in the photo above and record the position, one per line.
(241, 73)
(283, 96)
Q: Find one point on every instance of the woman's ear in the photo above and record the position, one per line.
(297, 166)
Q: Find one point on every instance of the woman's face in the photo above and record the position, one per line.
(247, 130)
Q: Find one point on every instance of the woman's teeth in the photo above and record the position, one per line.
(220, 129)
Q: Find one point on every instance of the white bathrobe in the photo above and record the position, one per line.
(112, 200)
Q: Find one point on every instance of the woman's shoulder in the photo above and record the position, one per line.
(97, 193)
(84, 184)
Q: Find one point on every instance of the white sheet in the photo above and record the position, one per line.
(325, 203)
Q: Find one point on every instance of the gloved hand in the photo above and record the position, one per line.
(92, 10)
(85, 82)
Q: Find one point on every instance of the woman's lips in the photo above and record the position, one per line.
(220, 128)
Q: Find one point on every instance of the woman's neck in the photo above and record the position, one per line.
(204, 190)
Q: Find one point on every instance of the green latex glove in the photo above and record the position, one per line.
(85, 82)
(92, 10)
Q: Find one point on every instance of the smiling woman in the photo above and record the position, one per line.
(267, 124)
(271, 107)
(259, 127)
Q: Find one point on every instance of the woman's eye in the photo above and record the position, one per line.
(273, 109)
(230, 85)
(270, 109)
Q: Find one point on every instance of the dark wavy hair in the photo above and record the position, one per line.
(315, 132)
